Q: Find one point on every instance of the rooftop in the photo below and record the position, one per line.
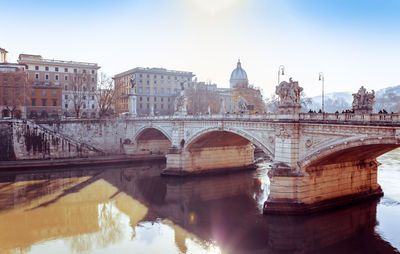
(27, 58)
(154, 70)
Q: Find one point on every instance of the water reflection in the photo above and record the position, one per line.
(134, 209)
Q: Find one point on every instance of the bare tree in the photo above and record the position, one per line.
(78, 95)
(200, 97)
(106, 95)
(15, 95)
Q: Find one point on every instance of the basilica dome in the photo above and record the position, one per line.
(238, 76)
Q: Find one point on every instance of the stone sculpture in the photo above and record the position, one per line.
(363, 101)
(242, 104)
(289, 93)
(180, 103)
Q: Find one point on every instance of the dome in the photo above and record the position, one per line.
(238, 76)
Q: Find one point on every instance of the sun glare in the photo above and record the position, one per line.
(214, 6)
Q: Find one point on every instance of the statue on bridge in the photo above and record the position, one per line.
(289, 93)
(363, 101)
(180, 103)
(289, 104)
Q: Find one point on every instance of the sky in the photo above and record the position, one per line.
(353, 42)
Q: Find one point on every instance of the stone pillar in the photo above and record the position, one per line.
(209, 159)
(321, 187)
(132, 103)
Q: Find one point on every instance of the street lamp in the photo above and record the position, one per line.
(281, 71)
(321, 78)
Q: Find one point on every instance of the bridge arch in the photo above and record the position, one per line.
(349, 149)
(151, 140)
(141, 130)
(243, 134)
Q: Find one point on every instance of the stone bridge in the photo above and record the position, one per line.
(318, 160)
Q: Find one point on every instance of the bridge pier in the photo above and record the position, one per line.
(321, 187)
(208, 159)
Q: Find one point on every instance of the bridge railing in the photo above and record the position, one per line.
(211, 117)
(351, 117)
(332, 117)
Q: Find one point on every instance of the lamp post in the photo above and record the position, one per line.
(322, 79)
(281, 71)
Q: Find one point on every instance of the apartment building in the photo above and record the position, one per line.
(156, 89)
(60, 87)
(13, 88)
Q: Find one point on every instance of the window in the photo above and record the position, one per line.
(66, 77)
(84, 88)
(46, 76)
(162, 76)
(162, 99)
(92, 71)
(66, 87)
(148, 82)
(169, 78)
(66, 97)
(140, 90)
(36, 67)
(93, 88)
(33, 102)
(148, 98)
(44, 101)
(92, 79)
(92, 97)
(92, 106)
(84, 71)
(148, 106)
(56, 77)
(155, 81)
(75, 70)
(33, 92)
(140, 105)
(168, 91)
(54, 102)
(84, 105)
(36, 75)
(155, 106)
(140, 98)
(46, 68)
(162, 106)
(148, 76)
(44, 92)
(140, 75)
(169, 99)
(56, 68)
(66, 105)
(147, 90)
(84, 97)
(54, 92)
(155, 90)
(162, 90)
(65, 69)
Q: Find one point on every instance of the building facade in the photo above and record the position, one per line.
(60, 87)
(14, 87)
(156, 89)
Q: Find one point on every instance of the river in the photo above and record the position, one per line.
(132, 209)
